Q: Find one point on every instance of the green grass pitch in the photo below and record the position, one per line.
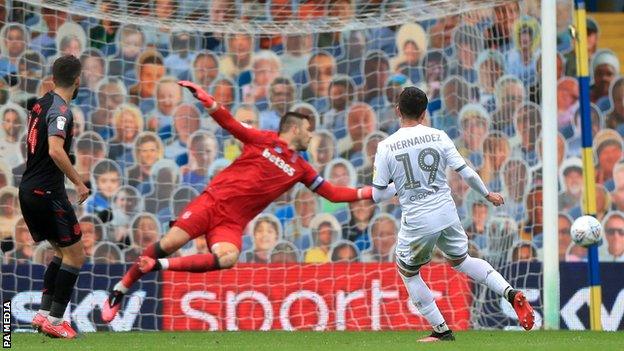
(325, 341)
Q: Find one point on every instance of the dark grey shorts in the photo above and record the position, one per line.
(49, 217)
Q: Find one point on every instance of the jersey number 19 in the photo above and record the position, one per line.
(431, 167)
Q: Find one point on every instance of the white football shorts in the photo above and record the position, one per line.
(413, 251)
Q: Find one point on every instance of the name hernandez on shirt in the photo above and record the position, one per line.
(417, 140)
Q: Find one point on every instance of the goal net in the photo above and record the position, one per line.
(146, 148)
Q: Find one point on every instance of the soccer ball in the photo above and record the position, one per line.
(586, 231)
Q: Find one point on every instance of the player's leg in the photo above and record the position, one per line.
(223, 255)
(411, 255)
(73, 259)
(224, 242)
(47, 293)
(194, 222)
(454, 243)
(170, 243)
(50, 219)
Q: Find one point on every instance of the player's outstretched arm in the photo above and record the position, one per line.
(475, 182)
(381, 195)
(383, 187)
(222, 116)
(335, 193)
(457, 162)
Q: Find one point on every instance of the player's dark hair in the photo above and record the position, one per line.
(65, 70)
(412, 103)
(292, 118)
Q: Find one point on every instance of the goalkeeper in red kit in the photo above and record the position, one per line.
(268, 166)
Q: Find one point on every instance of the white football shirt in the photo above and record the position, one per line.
(415, 159)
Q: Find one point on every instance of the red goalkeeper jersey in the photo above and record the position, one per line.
(265, 170)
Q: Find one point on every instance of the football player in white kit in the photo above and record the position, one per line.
(415, 159)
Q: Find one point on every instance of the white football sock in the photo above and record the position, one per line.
(120, 287)
(164, 263)
(423, 300)
(483, 273)
(44, 312)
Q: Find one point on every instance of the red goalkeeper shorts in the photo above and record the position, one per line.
(205, 216)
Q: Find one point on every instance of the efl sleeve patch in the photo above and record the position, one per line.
(57, 125)
(60, 122)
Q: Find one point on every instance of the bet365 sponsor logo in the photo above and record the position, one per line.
(281, 164)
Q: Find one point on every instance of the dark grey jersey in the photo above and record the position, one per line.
(50, 116)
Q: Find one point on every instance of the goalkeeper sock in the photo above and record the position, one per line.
(194, 263)
(65, 281)
(120, 287)
(482, 272)
(423, 300)
(49, 280)
(133, 274)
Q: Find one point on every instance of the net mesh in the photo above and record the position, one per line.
(146, 148)
(266, 17)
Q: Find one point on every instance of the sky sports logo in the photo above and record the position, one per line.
(6, 324)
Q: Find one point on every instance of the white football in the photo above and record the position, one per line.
(586, 231)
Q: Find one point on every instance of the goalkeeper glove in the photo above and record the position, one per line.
(200, 94)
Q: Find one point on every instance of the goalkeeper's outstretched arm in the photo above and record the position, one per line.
(335, 193)
(240, 131)
(222, 116)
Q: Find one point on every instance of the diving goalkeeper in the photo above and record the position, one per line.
(268, 166)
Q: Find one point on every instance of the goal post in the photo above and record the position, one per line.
(549, 135)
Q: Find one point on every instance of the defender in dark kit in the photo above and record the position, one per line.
(44, 203)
